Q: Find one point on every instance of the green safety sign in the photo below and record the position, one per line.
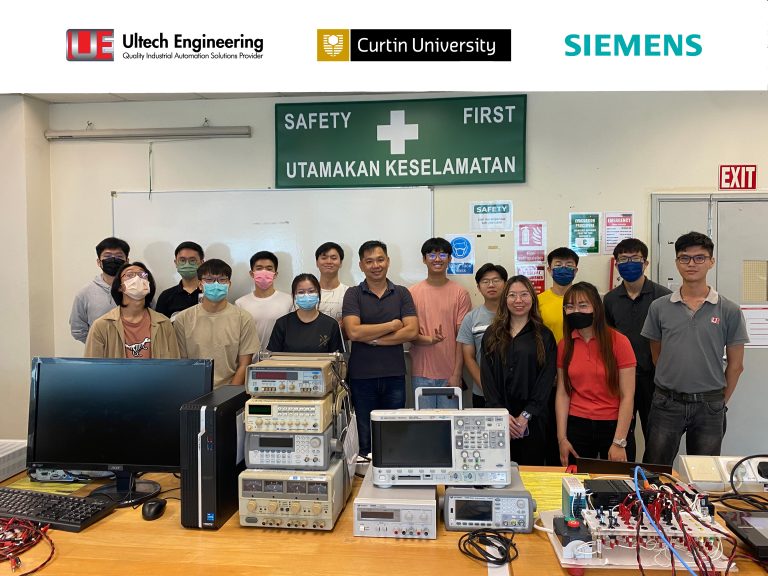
(478, 140)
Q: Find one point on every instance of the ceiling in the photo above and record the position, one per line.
(167, 96)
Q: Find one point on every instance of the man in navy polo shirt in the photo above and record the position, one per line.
(688, 331)
(378, 317)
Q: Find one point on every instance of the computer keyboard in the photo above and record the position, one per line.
(70, 513)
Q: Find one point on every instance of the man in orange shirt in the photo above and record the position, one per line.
(440, 306)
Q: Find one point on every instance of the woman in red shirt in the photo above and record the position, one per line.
(595, 381)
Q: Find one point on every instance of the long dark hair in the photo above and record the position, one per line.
(498, 332)
(600, 331)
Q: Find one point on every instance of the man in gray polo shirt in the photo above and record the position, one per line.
(378, 318)
(688, 330)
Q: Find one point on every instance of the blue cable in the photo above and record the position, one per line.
(650, 519)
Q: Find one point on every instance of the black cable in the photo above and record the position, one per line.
(475, 544)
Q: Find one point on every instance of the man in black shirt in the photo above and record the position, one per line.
(378, 317)
(626, 307)
(187, 258)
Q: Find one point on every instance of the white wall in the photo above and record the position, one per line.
(585, 152)
(26, 240)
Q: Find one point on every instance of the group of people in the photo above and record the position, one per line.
(573, 369)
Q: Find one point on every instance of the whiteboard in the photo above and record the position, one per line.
(234, 224)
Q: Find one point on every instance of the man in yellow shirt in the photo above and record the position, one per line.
(562, 265)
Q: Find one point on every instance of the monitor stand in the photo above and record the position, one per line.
(127, 490)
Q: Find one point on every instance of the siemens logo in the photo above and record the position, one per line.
(633, 45)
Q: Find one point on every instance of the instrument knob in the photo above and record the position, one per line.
(251, 506)
(295, 507)
(315, 442)
(317, 508)
(272, 506)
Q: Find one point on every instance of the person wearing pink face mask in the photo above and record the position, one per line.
(265, 303)
(132, 329)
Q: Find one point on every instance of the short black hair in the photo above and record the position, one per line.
(264, 255)
(112, 243)
(306, 276)
(489, 267)
(436, 245)
(117, 295)
(629, 246)
(190, 246)
(694, 239)
(562, 253)
(216, 267)
(371, 245)
(326, 247)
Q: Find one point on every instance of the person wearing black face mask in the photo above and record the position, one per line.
(95, 299)
(595, 381)
(626, 308)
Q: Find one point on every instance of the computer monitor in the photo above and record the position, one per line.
(118, 415)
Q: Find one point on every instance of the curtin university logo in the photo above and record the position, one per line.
(90, 44)
(332, 45)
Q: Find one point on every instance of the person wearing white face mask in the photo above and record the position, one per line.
(133, 329)
(306, 330)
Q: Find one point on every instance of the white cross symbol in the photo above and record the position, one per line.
(397, 132)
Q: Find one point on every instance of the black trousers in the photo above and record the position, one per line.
(530, 450)
(593, 438)
(478, 401)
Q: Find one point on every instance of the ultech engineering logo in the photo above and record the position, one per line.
(90, 44)
(332, 45)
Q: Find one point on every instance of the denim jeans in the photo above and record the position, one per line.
(702, 422)
(370, 394)
(433, 401)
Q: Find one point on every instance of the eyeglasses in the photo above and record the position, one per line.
(129, 275)
(625, 259)
(524, 296)
(491, 281)
(697, 259)
(582, 307)
(306, 292)
(188, 261)
(212, 279)
(432, 256)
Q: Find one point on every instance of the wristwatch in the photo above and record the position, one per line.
(620, 442)
(526, 415)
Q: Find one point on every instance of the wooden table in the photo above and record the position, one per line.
(123, 544)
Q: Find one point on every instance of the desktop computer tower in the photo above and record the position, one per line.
(212, 443)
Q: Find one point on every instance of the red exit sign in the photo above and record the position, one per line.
(738, 177)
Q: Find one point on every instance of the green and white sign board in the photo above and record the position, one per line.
(478, 140)
(584, 232)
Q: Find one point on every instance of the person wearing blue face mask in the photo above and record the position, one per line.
(562, 265)
(306, 330)
(216, 329)
(626, 308)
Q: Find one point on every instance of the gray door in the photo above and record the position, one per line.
(676, 216)
(742, 235)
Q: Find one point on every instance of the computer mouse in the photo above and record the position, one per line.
(153, 508)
